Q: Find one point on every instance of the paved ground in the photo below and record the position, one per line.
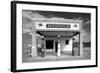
(50, 56)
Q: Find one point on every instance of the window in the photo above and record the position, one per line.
(67, 42)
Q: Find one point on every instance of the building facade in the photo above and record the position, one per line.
(56, 35)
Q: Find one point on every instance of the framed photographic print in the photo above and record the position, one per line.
(47, 36)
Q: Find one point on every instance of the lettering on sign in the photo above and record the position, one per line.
(58, 26)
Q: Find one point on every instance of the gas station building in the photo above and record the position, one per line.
(56, 35)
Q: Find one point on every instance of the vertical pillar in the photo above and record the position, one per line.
(44, 47)
(81, 44)
(59, 47)
(73, 46)
(34, 44)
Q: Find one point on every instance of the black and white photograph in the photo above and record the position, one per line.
(51, 36)
(55, 36)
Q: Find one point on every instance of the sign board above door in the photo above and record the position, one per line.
(56, 26)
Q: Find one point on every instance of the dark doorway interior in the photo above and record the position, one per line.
(49, 44)
(56, 46)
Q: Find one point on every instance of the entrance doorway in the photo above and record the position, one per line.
(49, 45)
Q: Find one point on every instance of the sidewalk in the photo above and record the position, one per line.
(65, 56)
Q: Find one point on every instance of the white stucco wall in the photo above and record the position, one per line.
(64, 46)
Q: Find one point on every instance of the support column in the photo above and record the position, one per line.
(81, 44)
(73, 46)
(59, 47)
(34, 44)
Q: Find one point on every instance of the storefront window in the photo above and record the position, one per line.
(67, 42)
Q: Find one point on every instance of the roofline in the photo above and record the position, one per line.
(62, 20)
